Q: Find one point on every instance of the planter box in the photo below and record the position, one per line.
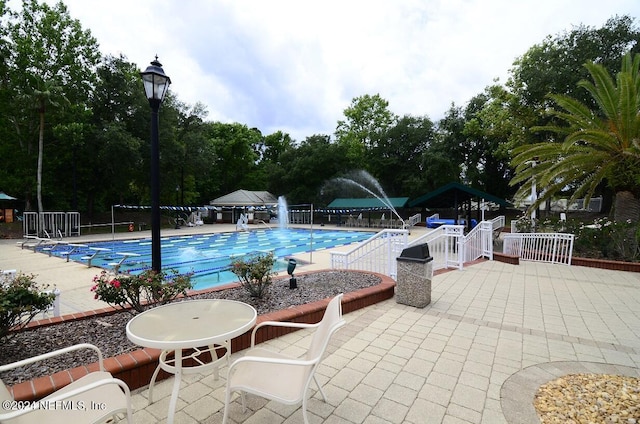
(135, 368)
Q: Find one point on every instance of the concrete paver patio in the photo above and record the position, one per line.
(493, 333)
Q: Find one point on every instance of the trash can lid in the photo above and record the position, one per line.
(418, 253)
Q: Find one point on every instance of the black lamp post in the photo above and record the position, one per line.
(156, 84)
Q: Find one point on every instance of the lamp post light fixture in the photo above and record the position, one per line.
(156, 84)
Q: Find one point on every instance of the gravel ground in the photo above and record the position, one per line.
(108, 333)
(589, 398)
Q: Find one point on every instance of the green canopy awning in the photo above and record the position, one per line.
(452, 194)
(367, 203)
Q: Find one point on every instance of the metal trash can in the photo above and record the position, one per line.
(415, 272)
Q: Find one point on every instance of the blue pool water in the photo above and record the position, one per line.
(208, 256)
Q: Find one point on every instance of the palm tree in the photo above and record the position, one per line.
(594, 146)
(48, 93)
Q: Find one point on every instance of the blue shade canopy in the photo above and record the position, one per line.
(5, 196)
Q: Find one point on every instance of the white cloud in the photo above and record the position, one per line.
(296, 65)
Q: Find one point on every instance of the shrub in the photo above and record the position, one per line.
(255, 273)
(600, 239)
(21, 299)
(140, 291)
(608, 239)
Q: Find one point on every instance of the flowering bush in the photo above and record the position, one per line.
(607, 239)
(140, 291)
(21, 299)
(600, 239)
(255, 273)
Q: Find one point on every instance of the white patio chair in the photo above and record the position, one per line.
(94, 398)
(280, 377)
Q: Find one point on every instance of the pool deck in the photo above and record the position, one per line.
(74, 280)
(493, 333)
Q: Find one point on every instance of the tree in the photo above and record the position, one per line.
(271, 167)
(490, 131)
(234, 152)
(594, 145)
(113, 148)
(366, 119)
(555, 65)
(316, 161)
(51, 62)
(396, 158)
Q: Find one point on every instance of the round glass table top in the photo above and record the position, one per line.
(191, 323)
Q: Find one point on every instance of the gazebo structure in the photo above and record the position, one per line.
(230, 206)
(458, 197)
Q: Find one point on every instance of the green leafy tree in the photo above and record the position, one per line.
(195, 154)
(594, 145)
(234, 153)
(51, 62)
(114, 146)
(315, 161)
(489, 132)
(555, 65)
(271, 167)
(396, 159)
(366, 119)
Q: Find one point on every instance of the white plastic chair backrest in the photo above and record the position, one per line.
(331, 321)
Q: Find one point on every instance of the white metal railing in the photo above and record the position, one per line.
(414, 219)
(376, 254)
(555, 248)
(444, 246)
(51, 224)
(448, 246)
(478, 242)
(498, 222)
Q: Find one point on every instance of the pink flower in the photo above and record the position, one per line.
(116, 284)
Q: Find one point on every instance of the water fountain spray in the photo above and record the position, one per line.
(380, 195)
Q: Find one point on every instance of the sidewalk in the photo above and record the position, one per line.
(477, 354)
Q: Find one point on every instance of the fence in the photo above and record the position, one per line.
(51, 224)
(448, 246)
(444, 246)
(556, 248)
(414, 219)
(376, 254)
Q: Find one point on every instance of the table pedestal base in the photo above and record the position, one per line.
(176, 366)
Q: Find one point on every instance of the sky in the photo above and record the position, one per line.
(296, 65)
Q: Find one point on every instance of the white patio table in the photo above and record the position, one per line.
(199, 326)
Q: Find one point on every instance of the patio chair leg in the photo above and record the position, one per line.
(227, 402)
(304, 410)
(324, 397)
(244, 403)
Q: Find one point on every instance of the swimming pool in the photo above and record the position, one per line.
(208, 256)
